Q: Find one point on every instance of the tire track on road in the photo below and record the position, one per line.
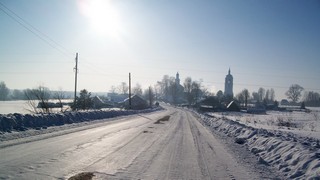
(201, 160)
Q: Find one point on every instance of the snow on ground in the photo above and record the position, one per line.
(298, 122)
(15, 126)
(287, 141)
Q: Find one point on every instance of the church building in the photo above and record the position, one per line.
(179, 94)
(228, 85)
(177, 79)
(180, 88)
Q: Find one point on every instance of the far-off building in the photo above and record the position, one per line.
(228, 85)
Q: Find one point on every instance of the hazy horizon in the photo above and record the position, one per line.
(269, 44)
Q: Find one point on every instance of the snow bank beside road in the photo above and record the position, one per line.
(295, 156)
(20, 122)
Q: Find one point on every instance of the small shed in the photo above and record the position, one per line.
(137, 102)
(210, 104)
(98, 103)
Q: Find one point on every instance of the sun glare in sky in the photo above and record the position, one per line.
(268, 44)
(103, 17)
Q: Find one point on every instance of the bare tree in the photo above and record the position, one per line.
(294, 92)
(255, 96)
(267, 96)
(312, 98)
(193, 90)
(240, 97)
(243, 97)
(38, 99)
(156, 90)
(206, 92)
(137, 89)
(196, 91)
(174, 90)
(149, 94)
(246, 94)
(167, 89)
(188, 89)
(272, 94)
(31, 101)
(165, 83)
(113, 89)
(59, 95)
(220, 95)
(261, 93)
(17, 95)
(124, 88)
(4, 91)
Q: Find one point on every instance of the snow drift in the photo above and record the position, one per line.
(294, 156)
(21, 122)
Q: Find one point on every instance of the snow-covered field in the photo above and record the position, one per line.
(7, 107)
(21, 106)
(287, 141)
(297, 122)
(168, 144)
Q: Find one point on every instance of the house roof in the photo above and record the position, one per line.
(232, 106)
(135, 99)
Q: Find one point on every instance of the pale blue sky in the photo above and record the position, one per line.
(270, 44)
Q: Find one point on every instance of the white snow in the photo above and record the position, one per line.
(15, 126)
(287, 141)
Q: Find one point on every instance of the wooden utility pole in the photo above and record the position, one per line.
(150, 96)
(75, 86)
(129, 90)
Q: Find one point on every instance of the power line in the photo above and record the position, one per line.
(45, 38)
(156, 79)
(258, 85)
(96, 68)
(33, 72)
(37, 62)
(99, 70)
(198, 70)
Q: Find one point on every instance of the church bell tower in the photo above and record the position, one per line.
(228, 85)
(177, 79)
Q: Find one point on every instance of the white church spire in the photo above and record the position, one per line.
(228, 85)
(177, 78)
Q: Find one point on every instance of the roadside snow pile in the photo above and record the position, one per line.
(21, 122)
(295, 156)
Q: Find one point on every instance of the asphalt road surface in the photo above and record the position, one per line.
(170, 144)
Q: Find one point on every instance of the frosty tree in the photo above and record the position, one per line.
(4, 91)
(137, 90)
(294, 92)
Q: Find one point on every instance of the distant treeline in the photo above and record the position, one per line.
(7, 94)
(16, 94)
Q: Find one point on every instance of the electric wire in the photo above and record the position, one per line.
(97, 70)
(42, 36)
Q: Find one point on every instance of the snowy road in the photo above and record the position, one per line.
(134, 147)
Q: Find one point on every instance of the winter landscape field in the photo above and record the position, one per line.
(21, 106)
(306, 123)
(7, 107)
(120, 89)
(288, 141)
(283, 142)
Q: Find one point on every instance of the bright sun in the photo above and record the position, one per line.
(102, 15)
